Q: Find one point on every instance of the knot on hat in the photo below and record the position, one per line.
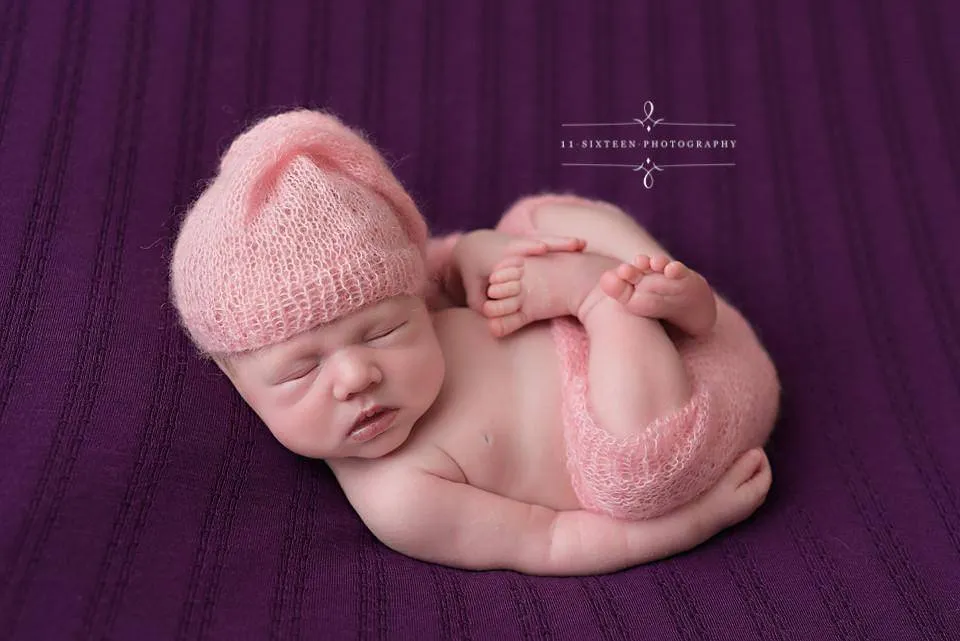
(304, 224)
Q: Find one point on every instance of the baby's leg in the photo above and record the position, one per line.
(635, 372)
(607, 229)
(659, 288)
(650, 282)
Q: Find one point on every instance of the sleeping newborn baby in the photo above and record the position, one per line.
(556, 397)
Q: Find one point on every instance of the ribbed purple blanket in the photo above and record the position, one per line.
(804, 156)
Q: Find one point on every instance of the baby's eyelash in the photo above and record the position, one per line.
(296, 376)
(320, 361)
(387, 332)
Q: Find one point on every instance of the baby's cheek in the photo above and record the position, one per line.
(298, 440)
(427, 364)
(286, 423)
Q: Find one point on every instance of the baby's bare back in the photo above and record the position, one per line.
(496, 424)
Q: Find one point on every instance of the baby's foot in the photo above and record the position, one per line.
(740, 491)
(662, 288)
(525, 289)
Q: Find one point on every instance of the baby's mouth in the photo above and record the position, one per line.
(368, 417)
(372, 425)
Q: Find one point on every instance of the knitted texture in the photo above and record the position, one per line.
(674, 459)
(677, 457)
(303, 224)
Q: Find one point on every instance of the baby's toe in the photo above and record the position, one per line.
(501, 326)
(658, 263)
(498, 308)
(509, 261)
(506, 274)
(504, 290)
(618, 288)
(630, 273)
(675, 270)
(642, 262)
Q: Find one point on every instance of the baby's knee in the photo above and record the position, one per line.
(589, 211)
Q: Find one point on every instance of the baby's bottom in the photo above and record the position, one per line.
(677, 457)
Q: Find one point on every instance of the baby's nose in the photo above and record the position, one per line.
(355, 373)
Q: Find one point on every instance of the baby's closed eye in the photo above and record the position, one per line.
(383, 334)
(302, 372)
(319, 362)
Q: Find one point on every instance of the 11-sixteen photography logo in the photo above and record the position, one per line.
(652, 142)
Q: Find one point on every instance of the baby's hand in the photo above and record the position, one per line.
(477, 252)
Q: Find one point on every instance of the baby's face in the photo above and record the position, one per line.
(310, 389)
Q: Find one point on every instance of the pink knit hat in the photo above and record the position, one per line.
(304, 224)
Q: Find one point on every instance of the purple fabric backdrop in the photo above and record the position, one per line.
(139, 497)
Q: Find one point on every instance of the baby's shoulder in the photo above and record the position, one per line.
(365, 482)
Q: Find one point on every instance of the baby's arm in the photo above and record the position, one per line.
(460, 263)
(441, 291)
(433, 519)
(610, 231)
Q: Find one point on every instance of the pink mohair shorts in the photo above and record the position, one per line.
(676, 458)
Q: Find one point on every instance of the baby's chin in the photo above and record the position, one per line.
(387, 443)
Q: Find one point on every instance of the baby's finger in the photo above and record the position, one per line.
(527, 247)
(546, 244)
(563, 243)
